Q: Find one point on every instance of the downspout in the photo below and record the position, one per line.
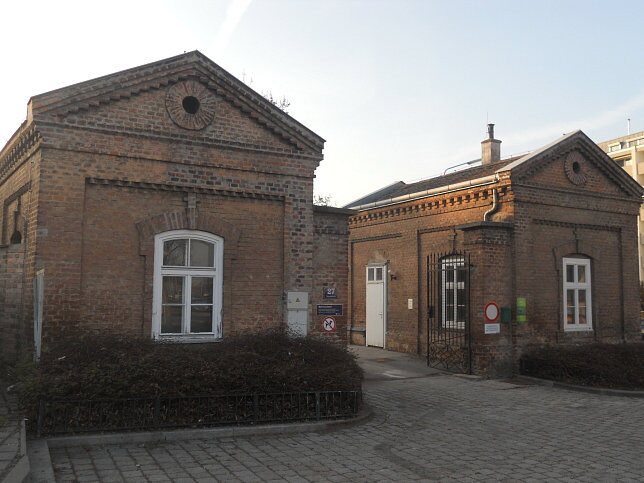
(495, 205)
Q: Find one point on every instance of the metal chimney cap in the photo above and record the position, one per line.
(490, 131)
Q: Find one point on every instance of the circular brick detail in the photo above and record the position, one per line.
(574, 168)
(190, 105)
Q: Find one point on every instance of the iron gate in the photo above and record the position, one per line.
(448, 312)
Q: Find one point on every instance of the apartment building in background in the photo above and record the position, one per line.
(628, 152)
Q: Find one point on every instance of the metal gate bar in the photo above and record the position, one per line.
(448, 312)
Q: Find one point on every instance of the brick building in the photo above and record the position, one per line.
(169, 201)
(474, 265)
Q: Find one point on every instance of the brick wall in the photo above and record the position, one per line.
(112, 173)
(330, 268)
(12, 297)
(542, 217)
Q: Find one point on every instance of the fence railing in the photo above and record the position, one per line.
(60, 417)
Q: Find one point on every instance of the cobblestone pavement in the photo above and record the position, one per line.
(13, 462)
(433, 428)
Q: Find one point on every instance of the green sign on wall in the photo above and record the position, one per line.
(521, 310)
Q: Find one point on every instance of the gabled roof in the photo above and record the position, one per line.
(191, 65)
(519, 167)
(525, 166)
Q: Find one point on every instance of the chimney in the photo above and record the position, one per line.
(490, 148)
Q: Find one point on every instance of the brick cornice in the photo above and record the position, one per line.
(375, 238)
(188, 138)
(571, 190)
(429, 206)
(183, 188)
(26, 143)
(567, 224)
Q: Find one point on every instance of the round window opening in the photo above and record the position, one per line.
(190, 104)
(574, 168)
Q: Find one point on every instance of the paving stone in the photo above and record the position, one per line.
(444, 428)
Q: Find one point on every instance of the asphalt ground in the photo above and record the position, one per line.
(423, 425)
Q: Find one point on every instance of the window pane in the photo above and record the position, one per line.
(201, 290)
(202, 254)
(460, 274)
(174, 253)
(171, 319)
(370, 274)
(201, 318)
(570, 273)
(172, 292)
(570, 298)
(571, 315)
(378, 274)
(582, 315)
(582, 298)
(449, 275)
(581, 273)
(460, 313)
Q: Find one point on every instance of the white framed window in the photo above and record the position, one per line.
(375, 274)
(188, 279)
(453, 296)
(577, 294)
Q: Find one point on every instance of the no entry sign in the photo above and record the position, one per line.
(492, 312)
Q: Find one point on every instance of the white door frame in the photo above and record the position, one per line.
(376, 278)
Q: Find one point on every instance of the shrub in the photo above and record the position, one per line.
(617, 366)
(91, 366)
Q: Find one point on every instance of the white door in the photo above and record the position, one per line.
(376, 305)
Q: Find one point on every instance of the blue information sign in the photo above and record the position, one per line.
(329, 309)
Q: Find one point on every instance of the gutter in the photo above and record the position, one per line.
(485, 180)
(495, 206)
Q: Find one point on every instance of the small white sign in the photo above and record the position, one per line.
(492, 328)
(410, 304)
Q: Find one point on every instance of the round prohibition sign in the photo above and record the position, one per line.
(492, 312)
(328, 324)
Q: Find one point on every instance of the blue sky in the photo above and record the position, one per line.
(400, 89)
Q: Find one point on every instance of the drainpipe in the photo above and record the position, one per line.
(495, 205)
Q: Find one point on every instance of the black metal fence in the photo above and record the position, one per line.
(60, 417)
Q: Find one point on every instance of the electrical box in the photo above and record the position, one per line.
(297, 307)
(506, 314)
(297, 300)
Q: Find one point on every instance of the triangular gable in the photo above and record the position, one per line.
(192, 66)
(579, 158)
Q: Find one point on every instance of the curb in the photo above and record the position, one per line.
(571, 387)
(42, 469)
(20, 469)
(221, 432)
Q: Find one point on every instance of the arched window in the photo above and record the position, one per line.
(188, 276)
(453, 292)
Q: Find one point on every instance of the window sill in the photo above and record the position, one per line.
(577, 329)
(188, 338)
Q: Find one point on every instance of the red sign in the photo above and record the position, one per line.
(492, 312)
(329, 324)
